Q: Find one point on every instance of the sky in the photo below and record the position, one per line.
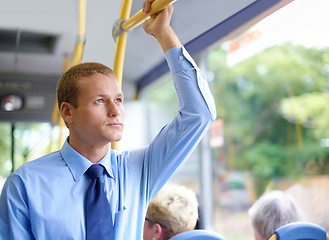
(303, 22)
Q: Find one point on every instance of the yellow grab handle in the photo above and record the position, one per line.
(140, 16)
(123, 25)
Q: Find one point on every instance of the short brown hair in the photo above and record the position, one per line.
(68, 88)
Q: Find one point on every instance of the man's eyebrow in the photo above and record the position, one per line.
(120, 95)
(106, 95)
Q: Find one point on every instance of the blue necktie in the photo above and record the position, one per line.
(99, 224)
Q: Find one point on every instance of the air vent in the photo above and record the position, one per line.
(26, 42)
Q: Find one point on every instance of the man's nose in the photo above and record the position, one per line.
(113, 109)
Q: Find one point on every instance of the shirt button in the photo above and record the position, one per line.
(180, 57)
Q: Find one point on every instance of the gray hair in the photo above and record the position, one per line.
(273, 210)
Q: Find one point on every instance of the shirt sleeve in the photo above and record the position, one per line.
(196, 112)
(180, 63)
(14, 216)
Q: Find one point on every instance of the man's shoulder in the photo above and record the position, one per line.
(44, 162)
(129, 158)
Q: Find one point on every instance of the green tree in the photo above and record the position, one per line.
(249, 97)
(31, 140)
(310, 110)
(5, 146)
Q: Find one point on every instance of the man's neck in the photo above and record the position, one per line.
(93, 152)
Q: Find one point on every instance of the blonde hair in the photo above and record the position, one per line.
(175, 208)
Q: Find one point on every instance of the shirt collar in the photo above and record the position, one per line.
(106, 162)
(78, 164)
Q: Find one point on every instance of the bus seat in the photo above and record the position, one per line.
(300, 231)
(198, 235)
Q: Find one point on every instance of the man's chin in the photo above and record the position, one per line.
(114, 136)
(116, 139)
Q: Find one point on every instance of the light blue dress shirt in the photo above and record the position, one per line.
(44, 199)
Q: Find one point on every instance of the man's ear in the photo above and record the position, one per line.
(66, 112)
(158, 231)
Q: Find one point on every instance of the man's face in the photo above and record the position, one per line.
(99, 115)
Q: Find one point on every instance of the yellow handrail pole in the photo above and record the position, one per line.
(120, 57)
(140, 16)
(76, 59)
(121, 42)
(77, 55)
(62, 126)
(54, 120)
(120, 51)
(55, 114)
(78, 51)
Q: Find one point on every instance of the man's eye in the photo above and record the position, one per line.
(99, 101)
(119, 100)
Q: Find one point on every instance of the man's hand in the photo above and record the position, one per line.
(147, 5)
(158, 26)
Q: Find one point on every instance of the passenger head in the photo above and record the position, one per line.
(68, 84)
(271, 211)
(173, 210)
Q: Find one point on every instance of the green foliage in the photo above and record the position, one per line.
(5, 146)
(310, 110)
(264, 99)
(31, 140)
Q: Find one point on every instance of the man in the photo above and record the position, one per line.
(44, 199)
(172, 211)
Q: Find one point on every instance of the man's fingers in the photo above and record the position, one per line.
(147, 5)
